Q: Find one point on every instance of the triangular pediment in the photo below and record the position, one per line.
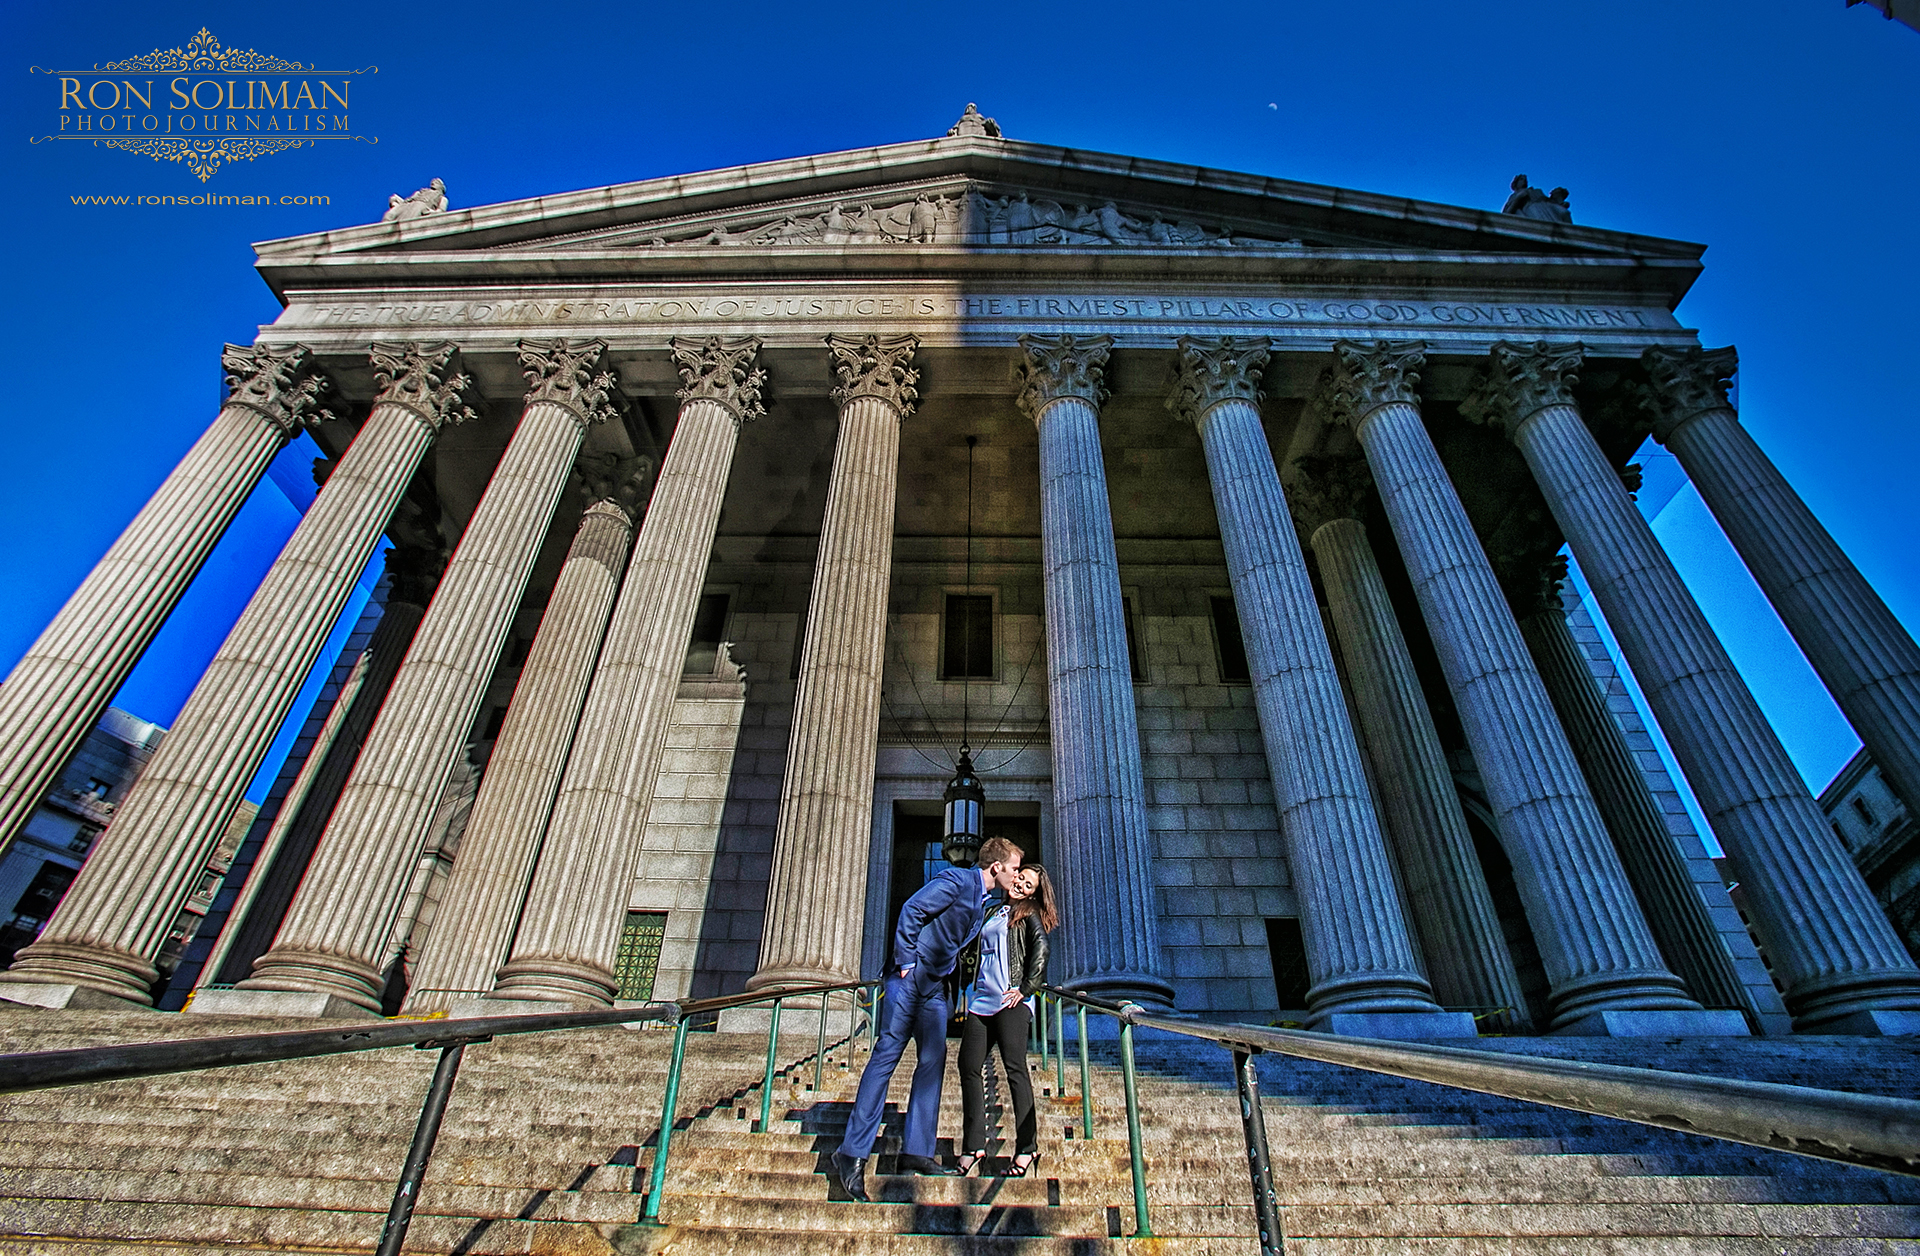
(963, 201)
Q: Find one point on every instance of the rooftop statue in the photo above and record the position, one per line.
(431, 199)
(971, 123)
(1531, 202)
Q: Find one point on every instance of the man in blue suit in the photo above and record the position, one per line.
(936, 924)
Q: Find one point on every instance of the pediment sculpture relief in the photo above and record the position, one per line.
(971, 217)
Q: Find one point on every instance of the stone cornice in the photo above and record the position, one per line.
(1686, 382)
(1061, 366)
(721, 371)
(281, 386)
(1522, 380)
(561, 372)
(418, 380)
(1365, 377)
(875, 366)
(1207, 372)
(1322, 488)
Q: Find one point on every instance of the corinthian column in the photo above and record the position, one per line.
(1359, 953)
(1866, 658)
(1112, 937)
(570, 929)
(58, 690)
(334, 935)
(114, 920)
(1834, 952)
(1453, 913)
(1675, 911)
(817, 890)
(1598, 953)
(474, 924)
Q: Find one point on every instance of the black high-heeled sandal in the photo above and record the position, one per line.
(1016, 1169)
(967, 1161)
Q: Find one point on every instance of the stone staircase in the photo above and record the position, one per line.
(549, 1140)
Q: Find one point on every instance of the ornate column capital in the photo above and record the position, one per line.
(418, 379)
(1207, 372)
(721, 371)
(873, 366)
(281, 386)
(1686, 382)
(1522, 380)
(561, 372)
(1061, 366)
(625, 482)
(1322, 488)
(413, 571)
(1365, 377)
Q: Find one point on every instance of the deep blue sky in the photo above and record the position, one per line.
(1781, 134)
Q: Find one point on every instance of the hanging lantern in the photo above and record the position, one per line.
(965, 801)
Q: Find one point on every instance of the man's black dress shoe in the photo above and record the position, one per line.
(926, 1166)
(852, 1174)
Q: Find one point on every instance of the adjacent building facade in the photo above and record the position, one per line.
(1215, 516)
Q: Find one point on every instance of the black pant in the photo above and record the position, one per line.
(1009, 1029)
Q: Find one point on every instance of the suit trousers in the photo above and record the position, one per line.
(915, 1007)
(1008, 1028)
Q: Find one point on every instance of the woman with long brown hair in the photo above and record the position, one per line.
(1009, 965)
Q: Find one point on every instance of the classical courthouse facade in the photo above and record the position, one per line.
(1214, 515)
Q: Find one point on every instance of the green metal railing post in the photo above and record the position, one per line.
(1059, 1048)
(1253, 1122)
(820, 1044)
(1086, 1074)
(873, 1015)
(407, 1193)
(766, 1083)
(1043, 1038)
(1141, 1230)
(669, 1103)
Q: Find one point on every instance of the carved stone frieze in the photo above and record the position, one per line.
(875, 366)
(561, 372)
(1061, 366)
(1206, 372)
(1365, 377)
(972, 214)
(281, 386)
(1324, 487)
(723, 371)
(420, 380)
(1686, 382)
(1522, 380)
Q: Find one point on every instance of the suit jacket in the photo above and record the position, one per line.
(938, 921)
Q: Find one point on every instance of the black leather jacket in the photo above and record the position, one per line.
(1026, 958)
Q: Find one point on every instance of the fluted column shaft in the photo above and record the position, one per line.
(282, 860)
(817, 892)
(1866, 657)
(58, 690)
(1594, 943)
(1453, 912)
(334, 934)
(1111, 922)
(1831, 945)
(569, 932)
(1359, 953)
(114, 920)
(1653, 863)
(476, 918)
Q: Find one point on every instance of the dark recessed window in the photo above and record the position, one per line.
(709, 630)
(1861, 809)
(1134, 667)
(1288, 949)
(968, 651)
(1226, 636)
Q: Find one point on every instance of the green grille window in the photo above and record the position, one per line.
(639, 956)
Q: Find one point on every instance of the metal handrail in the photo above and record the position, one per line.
(1869, 1131)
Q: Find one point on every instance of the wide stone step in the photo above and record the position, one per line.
(932, 1218)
